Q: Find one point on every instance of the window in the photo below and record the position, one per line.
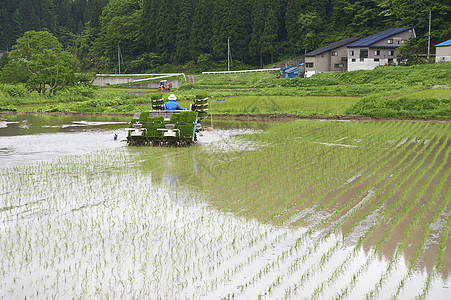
(322, 54)
(362, 59)
(353, 60)
(376, 59)
(338, 65)
(363, 53)
(351, 53)
(391, 52)
(309, 65)
(334, 53)
(390, 41)
(377, 52)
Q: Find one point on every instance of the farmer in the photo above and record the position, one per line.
(172, 104)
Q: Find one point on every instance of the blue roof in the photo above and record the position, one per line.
(445, 43)
(286, 68)
(369, 40)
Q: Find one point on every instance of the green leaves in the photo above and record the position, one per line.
(39, 61)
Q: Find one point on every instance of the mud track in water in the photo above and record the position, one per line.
(282, 117)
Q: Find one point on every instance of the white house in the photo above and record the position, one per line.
(443, 51)
(378, 49)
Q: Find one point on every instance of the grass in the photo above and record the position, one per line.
(382, 90)
(307, 105)
(436, 93)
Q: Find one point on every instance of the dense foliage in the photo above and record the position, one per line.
(39, 61)
(400, 92)
(193, 34)
(61, 17)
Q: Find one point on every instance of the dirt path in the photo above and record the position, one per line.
(191, 79)
(403, 94)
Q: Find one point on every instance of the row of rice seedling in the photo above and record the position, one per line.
(132, 223)
(111, 232)
(412, 204)
(356, 221)
(420, 248)
(359, 272)
(396, 146)
(262, 273)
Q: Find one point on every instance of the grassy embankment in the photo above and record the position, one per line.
(400, 92)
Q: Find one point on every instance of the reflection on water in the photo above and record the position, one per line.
(133, 222)
(26, 139)
(97, 224)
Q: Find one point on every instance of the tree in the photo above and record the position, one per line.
(38, 60)
(291, 18)
(406, 53)
(311, 27)
(183, 30)
(269, 35)
(232, 21)
(3, 60)
(95, 14)
(201, 29)
(258, 25)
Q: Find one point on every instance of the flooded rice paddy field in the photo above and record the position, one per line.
(305, 209)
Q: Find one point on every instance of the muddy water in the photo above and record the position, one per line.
(122, 223)
(25, 139)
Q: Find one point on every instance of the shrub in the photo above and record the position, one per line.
(80, 90)
(8, 108)
(14, 90)
(186, 86)
(201, 95)
(405, 107)
(156, 96)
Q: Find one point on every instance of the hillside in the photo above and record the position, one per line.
(192, 36)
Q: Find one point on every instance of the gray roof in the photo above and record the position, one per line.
(332, 46)
(369, 40)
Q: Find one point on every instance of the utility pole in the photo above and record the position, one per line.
(229, 55)
(429, 36)
(119, 57)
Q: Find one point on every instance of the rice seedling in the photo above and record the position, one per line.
(328, 208)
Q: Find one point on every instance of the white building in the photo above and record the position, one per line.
(378, 49)
(443, 51)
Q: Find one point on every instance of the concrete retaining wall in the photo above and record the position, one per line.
(154, 84)
(111, 80)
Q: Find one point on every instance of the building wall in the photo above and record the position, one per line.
(342, 52)
(326, 62)
(309, 71)
(443, 54)
(385, 55)
(397, 39)
(369, 63)
(321, 63)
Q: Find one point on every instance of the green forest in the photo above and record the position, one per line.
(192, 35)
